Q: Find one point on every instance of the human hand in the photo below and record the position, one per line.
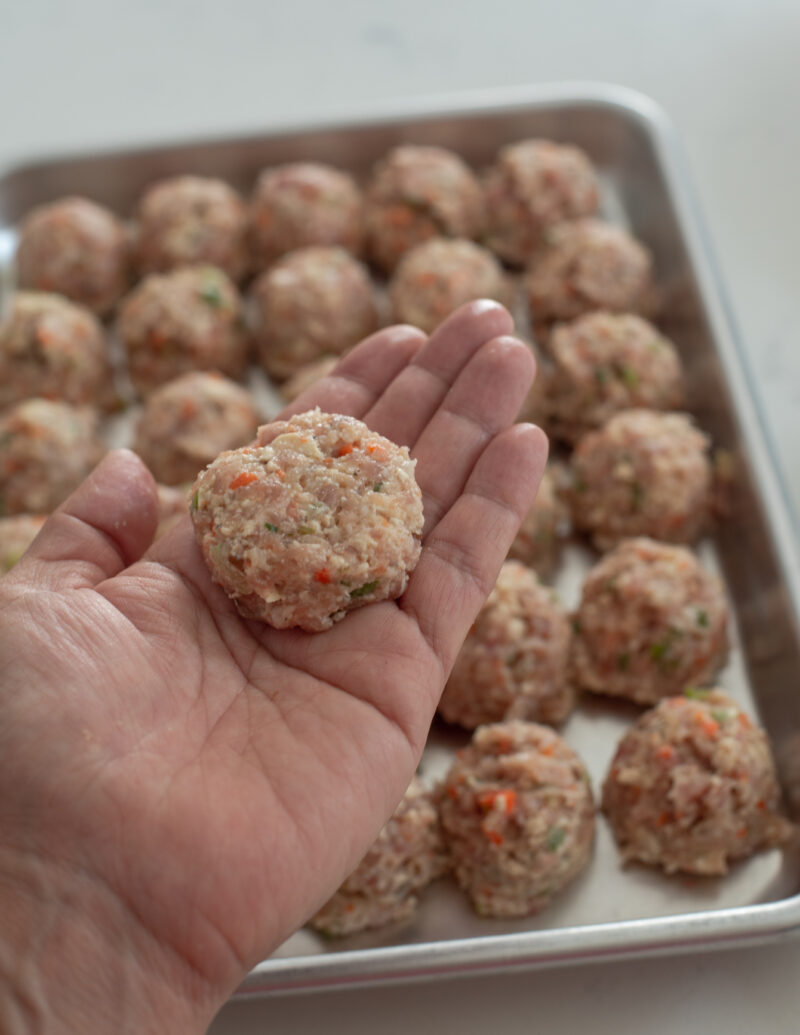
(182, 788)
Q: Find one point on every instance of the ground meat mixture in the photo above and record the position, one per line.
(514, 661)
(603, 363)
(407, 855)
(188, 422)
(16, 535)
(46, 450)
(693, 788)
(588, 264)
(314, 301)
(190, 221)
(321, 517)
(75, 248)
(651, 622)
(307, 376)
(189, 319)
(417, 193)
(518, 818)
(52, 348)
(302, 204)
(533, 185)
(543, 529)
(435, 278)
(642, 473)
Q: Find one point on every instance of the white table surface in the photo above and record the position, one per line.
(101, 72)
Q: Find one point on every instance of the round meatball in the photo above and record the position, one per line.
(189, 319)
(307, 376)
(603, 363)
(693, 788)
(542, 530)
(518, 818)
(533, 185)
(651, 622)
(407, 855)
(16, 535)
(46, 450)
(302, 204)
(434, 278)
(188, 422)
(642, 473)
(314, 301)
(321, 517)
(417, 193)
(173, 504)
(75, 248)
(514, 661)
(588, 264)
(51, 348)
(189, 221)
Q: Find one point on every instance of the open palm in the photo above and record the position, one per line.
(201, 784)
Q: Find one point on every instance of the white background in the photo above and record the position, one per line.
(98, 72)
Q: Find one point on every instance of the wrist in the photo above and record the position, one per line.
(74, 958)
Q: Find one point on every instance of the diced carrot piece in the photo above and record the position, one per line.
(245, 478)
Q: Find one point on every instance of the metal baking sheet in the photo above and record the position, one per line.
(609, 911)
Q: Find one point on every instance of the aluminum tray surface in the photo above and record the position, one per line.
(609, 910)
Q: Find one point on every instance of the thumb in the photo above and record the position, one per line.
(104, 526)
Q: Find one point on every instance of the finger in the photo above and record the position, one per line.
(105, 525)
(463, 553)
(484, 400)
(407, 405)
(362, 376)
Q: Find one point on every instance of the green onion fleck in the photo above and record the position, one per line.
(195, 501)
(720, 715)
(576, 626)
(211, 295)
(696, 695)
(628, 376)
(555, 839)
(272, 528)
(377, 487)
(365, 590)
(637, 495)
(702, 619)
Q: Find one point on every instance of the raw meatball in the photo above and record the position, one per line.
(417, 193)
(604, 363)
(16, 535)
(692, 787)
(189, 319)
(588, 264)
(173, 504)
(438, 276)
(77, 249)
(192, 220)
(46, 450)
(542, 530)
(514, 661)
(407, 855)
(188, 422)
(303, 204)
(518, 818)
(651, 622)
(642, 473)
(307, 376)
(51, 348)
(314, 301)
(532, 186)
(321, 517)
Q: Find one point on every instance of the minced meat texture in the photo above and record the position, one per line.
(518, 818)
(320, 517)
(692, 787)
(651, 622)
